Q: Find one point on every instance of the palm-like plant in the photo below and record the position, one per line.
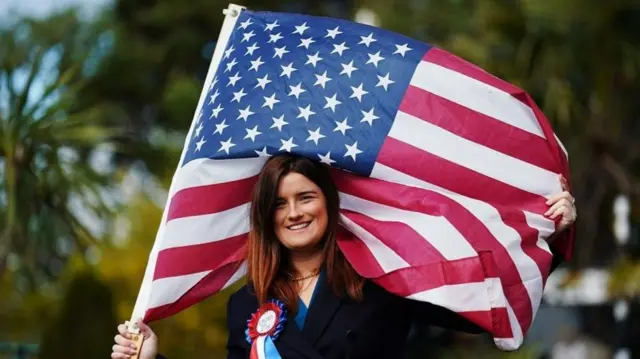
(51, 198)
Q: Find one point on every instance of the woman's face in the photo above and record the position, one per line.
(300, 218)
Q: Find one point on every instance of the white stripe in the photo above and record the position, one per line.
(441, 234)
(469, 154)
(169, 290)
(543, 225)
(146, 290)
(204, 171)
(260, 347)
(206, 228)
(457, 297)
(386, 257)
(476, 95)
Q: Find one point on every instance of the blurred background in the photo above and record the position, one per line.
(96, 98)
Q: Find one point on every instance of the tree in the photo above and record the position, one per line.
(50, 195)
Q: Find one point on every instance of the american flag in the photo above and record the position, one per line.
(443, 169)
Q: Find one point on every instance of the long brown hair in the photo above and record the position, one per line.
(267, 258)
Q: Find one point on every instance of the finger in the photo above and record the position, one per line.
(120, 356)
(119, 339)
(123, 349)
(144, 329)
(562, 211)
(122, 329)
(564, 183)
(563, 202)
(556, 197)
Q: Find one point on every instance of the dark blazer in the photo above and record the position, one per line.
(336, 328)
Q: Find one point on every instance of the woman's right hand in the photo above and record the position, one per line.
(125, 348)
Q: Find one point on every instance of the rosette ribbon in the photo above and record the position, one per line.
(264, 327)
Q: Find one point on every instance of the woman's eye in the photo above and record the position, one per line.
(306, 198)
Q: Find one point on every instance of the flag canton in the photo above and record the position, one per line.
(323, 88)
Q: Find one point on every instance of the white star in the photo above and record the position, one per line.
(255, 64)
(226, 145)
(333, 33)
(199, 129)
(199, 116)
(315, 136)
(251, 49)
(233, 79)
(270, 101)
(339, 48)
(367, 40)
(287, 145)
(199, 144)
(384, 81)
(348, 69)
(216, 111)
(213, 83)
(306, 42)
(244, 114)
(252, 133)
(214, 97)
(402, 49)
(301, 29)
(375, 58)
(245, 24)
(305, 112)
(369, 117)
(313, 59)
(326, 159)
(272, 26)
(278, 122)
(262, 153)
(287, 70)
(274, 38)
(322, 79)
(280, 51)
(342, 127)
(332, 102)
(352, 151)
(237, 96)
(296, 90)
(358, 92)
(247, 36)
(220, 127)
(262, 82)
(231, 64)
(228, 52)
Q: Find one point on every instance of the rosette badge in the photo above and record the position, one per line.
(264, 327)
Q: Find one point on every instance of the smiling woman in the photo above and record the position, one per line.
(303, 298)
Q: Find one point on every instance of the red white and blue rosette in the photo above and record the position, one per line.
(263, 329)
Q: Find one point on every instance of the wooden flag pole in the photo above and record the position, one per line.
(231, 13)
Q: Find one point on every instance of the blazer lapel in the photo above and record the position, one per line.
(321, 312)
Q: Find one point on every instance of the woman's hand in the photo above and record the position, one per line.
(125, 348)
(562, 204)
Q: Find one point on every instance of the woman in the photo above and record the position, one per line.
(293, 256)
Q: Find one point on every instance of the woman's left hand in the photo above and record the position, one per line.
(562, 204)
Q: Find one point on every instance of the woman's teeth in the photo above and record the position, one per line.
(299, 225)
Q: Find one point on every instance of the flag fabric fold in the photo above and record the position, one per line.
(443, 169)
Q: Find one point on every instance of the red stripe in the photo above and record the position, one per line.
(199, 257)
(472, 228)
(357, 253)
(456, 178)
(478, 128)
(404, 240)
(209, 199)
(209, 285)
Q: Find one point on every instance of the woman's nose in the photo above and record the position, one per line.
(294, 211)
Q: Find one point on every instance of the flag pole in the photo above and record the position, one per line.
(143, 300)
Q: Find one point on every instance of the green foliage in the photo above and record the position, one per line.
(46, 139)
